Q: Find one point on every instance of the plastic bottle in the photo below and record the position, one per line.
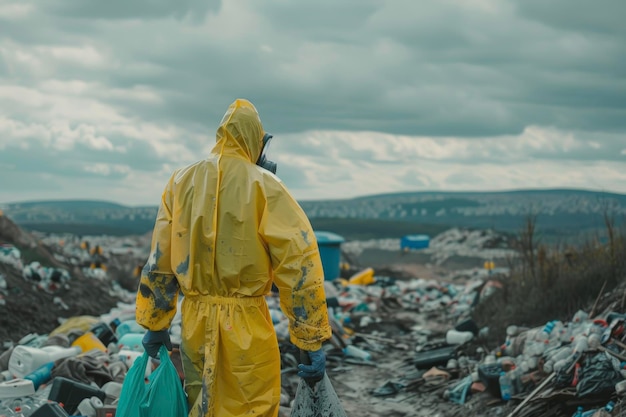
(23, 407)
(579, 412)
(594, 341)
(6, 376)
(41, 375)
(589, 413)
(561, 353)
(355, 352)
(580, 344)
(554, 356)
(580, 317)
(131, 341)
(455, 337)
(6, 411)
(505, 386)
(128, 326)
(609, 406)
(565, 335)
(87, 407)
(544, 334)
(515, 377)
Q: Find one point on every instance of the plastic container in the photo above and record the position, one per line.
(489, 376)
(329, 245)
(50, 409)
(580, 344)
(452, 364)
(88, 406)
(105, 332)
(41, 375)
(70, 393)
(24, 406)
(609, 406)
(580, 317)
(355, 352)
(16, 388)
(25, 359)
(128, 326)
(434, 357)
(505, 386)
(620, 388)
(128, 356)
(455, 337)
(89, 341)
(106, 411)
(490, 360)
(131, 341)
(112, 390)
(593, 341)
(6, 376)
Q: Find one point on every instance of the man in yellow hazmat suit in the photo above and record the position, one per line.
(226, 230)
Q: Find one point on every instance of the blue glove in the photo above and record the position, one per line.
(313, 367)
(152, 342)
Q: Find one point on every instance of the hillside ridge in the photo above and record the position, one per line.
(559, 213)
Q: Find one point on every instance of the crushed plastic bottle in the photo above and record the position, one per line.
(580, 316)
(505, 386)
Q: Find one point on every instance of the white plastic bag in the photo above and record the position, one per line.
(321, 400)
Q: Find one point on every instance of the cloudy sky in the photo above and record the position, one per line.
(103, 99)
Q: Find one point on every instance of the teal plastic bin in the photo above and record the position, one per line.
(330, 251)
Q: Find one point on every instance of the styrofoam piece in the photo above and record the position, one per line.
(16, 388)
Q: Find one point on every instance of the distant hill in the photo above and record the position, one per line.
(82, 217)
(560, 213)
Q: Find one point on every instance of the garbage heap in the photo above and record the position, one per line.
(562, 368)
(558, 369)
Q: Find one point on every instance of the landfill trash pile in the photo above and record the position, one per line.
(455, 242)
(11, 255)
(398, 347)
(32, 297)
(401, 346)
(88, 275)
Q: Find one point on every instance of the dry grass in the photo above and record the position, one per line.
(553, 282)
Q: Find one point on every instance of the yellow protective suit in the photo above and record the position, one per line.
(225, 231)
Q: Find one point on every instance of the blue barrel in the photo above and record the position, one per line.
(413, 242)
(330, 252)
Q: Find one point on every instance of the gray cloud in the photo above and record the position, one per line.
(142, 9)
(390, 67)
(577, 15)
(481, 77)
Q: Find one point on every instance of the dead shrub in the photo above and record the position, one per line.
(552, 283)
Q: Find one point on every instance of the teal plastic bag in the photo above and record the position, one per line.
(161, 396)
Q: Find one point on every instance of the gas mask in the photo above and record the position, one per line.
(263, 161)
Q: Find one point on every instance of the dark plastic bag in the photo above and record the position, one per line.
(321, 400)
(598, 376)
(161, 396)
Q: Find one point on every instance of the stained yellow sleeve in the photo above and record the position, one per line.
(297, 270)
(158, 290)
